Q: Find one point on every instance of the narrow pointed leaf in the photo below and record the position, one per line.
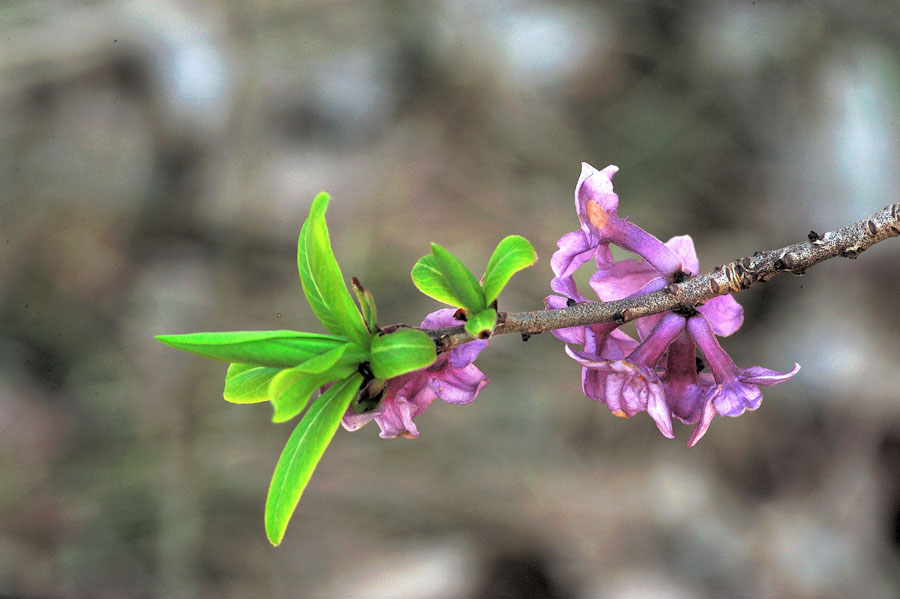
(275, 349)
(346, 354)
(400, 352)
(513, 254)
(429, 280)
(291, 389)
(245, 383)
(323, 283)
(481, 325)
(290, 392)
(302, 453)
(459, 279)
(366, 304)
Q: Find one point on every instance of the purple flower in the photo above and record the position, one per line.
(685, 387)
(637, 383)
(734, 390)
(452, 377)
(597, 207)
(659, 375)
(622, 279)
(631, 385)
(604, 339)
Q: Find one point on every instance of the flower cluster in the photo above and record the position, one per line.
(452, 377)
(661, 373)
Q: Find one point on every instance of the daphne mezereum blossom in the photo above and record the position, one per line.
(624, 278)
(734, 390)
(631, 385)
(597, 207)
(660, 374)
(452, 377)
(685, 387)
(637, 383)
(603, 339)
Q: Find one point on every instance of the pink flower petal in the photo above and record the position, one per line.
(757, 375)
(683, 245)
(621, 279)
(706, 417)
(459, 385)
(571, 334)
(574, 250)
(724, 314)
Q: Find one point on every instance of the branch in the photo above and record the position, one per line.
(848, 242)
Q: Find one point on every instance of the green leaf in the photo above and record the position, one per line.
(323, 283)
(245, 383)
(291, 389)
(302, 453)
(367, 304)
(275, 349)
(348, 354)
(513, 254)
(400, 352)
(289, 392)
(459, 279)
(482, 324)
(429, 280)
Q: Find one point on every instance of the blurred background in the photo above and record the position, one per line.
(159, 157)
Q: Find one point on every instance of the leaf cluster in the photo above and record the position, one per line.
(287, 368)
(351, 364)
(444, 277)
